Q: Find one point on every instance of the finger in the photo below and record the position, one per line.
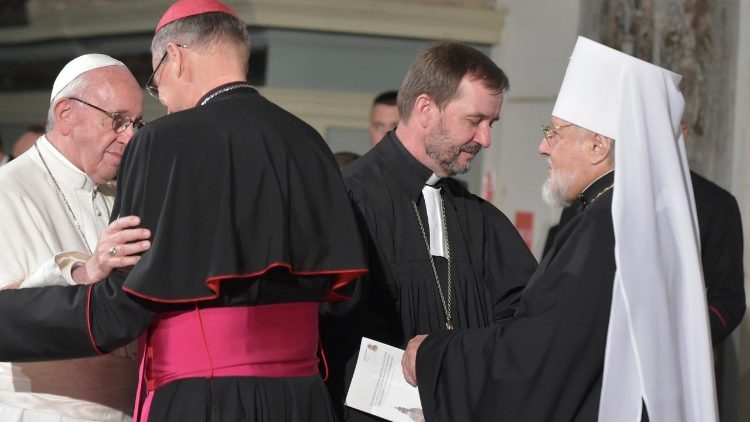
(124, 261)
(133, 235)
(409, 379)
(120, 224)
(130, 249)
(405, 369)
(406, 374)
(124, 223)
(112, 252)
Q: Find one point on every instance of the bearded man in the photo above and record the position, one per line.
(440, 258)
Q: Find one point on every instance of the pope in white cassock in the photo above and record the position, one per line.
(56, 200)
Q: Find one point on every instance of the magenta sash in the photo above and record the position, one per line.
(279, 340)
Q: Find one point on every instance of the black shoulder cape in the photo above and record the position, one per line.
(229, 191)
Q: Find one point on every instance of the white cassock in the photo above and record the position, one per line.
(39, 243)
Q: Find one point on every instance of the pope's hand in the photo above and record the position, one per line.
(120, 245)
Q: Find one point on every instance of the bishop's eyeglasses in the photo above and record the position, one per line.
(151, 87)
(120, 121)
(550, 132)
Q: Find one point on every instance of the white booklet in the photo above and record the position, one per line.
(378, 386)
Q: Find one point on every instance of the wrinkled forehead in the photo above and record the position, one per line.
(117, 90)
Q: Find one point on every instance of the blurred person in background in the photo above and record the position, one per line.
(27, 139)
(383, 115)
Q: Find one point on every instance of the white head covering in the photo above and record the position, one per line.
(79, 66)
(658, 343)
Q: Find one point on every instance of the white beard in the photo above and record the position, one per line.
(554, 188)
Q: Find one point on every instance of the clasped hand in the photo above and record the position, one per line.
(120, 245)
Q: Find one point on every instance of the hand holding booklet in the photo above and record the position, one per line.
(378, 386)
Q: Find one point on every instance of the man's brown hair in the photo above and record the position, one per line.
(438, 71)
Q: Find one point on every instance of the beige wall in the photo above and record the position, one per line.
(534, 52)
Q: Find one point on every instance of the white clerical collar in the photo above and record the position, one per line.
(434, 178)
(64, 171)
(433, 202)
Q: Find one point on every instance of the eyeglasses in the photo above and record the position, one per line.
(120, 121)
(151, 87)
(551, 131)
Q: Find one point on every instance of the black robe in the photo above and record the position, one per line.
(546, 363)
(720, 227)
(399, 298)
(246, 206)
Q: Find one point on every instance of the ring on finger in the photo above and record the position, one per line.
(113, 251)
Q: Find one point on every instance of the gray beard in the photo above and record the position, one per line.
(554, 188)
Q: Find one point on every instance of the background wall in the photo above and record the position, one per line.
(534, 52)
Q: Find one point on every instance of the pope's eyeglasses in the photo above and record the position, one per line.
(120, 121)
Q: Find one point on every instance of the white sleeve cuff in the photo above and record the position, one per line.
(55, 271)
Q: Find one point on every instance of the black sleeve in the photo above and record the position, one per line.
(369, 311)
(508, 263)
(65, 322)
(366, 301)
(721, 250)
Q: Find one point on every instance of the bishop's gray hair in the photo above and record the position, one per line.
(203, 32)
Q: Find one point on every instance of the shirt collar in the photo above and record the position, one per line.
(65, 172)
(409, 173)
(433, 180)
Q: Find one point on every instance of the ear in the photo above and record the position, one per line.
(424, 110)
(63, 116)
(600, 148)
(176, 58)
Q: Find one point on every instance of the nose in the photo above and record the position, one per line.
(483, 136)
(126, 135)
(544, 148)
